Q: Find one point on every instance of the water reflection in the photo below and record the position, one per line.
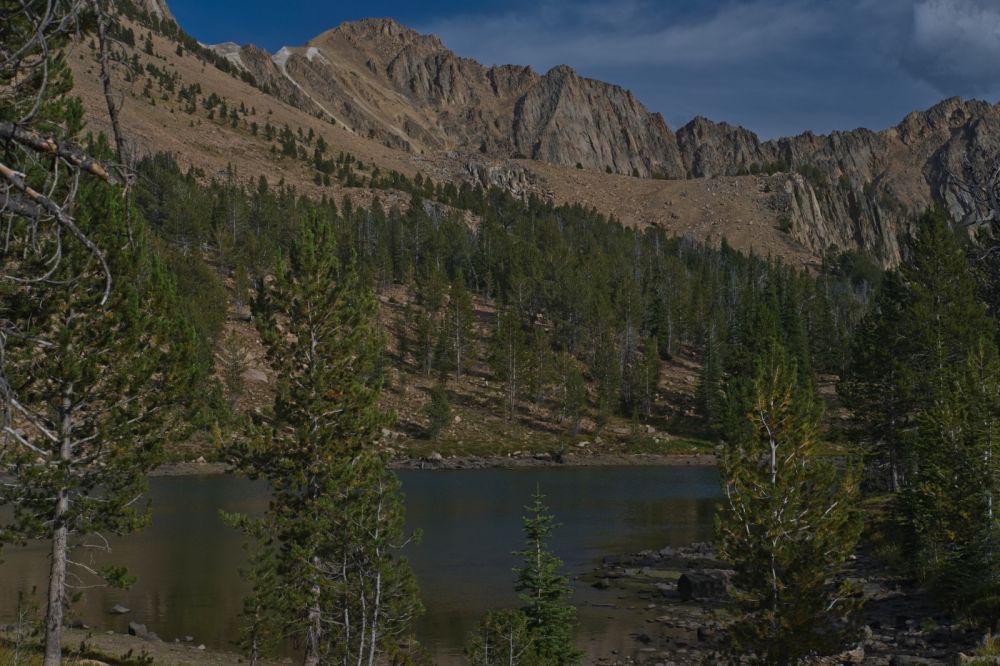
(188, 561)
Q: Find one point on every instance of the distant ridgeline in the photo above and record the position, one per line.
(858, 189)
(574, 291)
(167, 27)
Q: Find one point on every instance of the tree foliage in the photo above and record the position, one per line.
(568, 282)
(788, 524)
(922, 383)
(335, 581)
(545, 591)
(97, 363)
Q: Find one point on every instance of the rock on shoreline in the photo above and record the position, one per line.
(685, 593)
(570, 459)
(437, 461)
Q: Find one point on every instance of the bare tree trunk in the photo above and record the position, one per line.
(347, 611)
(57, 592)
(894, 471)
(106, 82)
(373, 642)
(458, 343)
(315, 630)
(57, 573)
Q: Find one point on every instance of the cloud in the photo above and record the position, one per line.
(775, 66)
(630, 32)
(955, 46)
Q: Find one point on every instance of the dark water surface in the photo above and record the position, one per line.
(187, 562)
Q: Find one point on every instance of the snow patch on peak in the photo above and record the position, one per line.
(281, 57)
(230, 51)
(313, 52)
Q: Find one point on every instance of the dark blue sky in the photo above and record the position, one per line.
(775, 66)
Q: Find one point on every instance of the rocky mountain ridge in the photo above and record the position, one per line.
(856, 190)
(394, 89)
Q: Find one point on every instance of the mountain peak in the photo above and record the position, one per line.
(402, 99)
(380, 34)
(561, 71)
(157, 8)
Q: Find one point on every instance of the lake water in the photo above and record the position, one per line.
(188, 561)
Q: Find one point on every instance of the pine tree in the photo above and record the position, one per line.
(708, 395)
(872, 386)
(545, 592)
(538, 363)
(431, 296)
(943, 319)
(461, 316)
(233, 363)
(606, 371)
(438, 411)
(953, 487)
(93, 409)
(788, 523)
(335, 519)
(502, 638)
(925, 323)
(507, 356)
(95, 361)
(574, 394)
(649, 375)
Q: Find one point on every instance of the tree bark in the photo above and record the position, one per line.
(57, 593)
(314, 632)
(57, 574)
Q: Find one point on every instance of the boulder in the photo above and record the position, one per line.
(706, 584)
(855, 656)
(139, 630)
(255, 376)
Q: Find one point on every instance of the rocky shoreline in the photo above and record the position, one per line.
(515, 461)
(685, 595)
(681, 599)
(202, 467)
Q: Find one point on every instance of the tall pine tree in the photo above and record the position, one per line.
(788, 522)
(334, 527)
(545, 592)
(98, 385)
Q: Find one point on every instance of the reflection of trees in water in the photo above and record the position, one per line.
(187, 567)
(188, 561)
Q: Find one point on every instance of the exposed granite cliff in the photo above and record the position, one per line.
(859, 189)
(851, 190)
(156, 8)
(390, 83)
(862, 189)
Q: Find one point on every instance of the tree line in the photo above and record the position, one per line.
(577, 294)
